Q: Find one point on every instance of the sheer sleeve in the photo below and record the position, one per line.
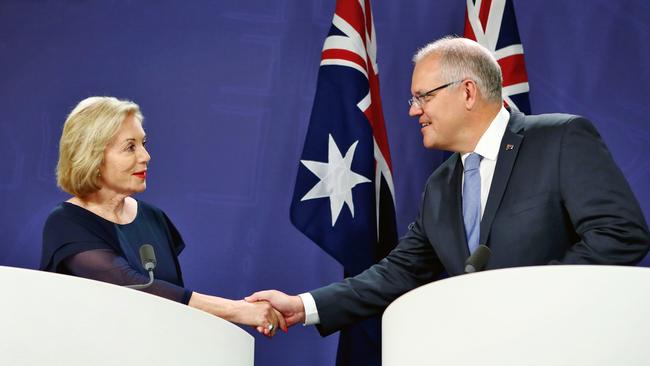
(106, 266)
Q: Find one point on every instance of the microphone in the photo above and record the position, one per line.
(477, 261)
(148, 260)
(148, 257)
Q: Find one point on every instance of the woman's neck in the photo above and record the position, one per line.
(118, 208)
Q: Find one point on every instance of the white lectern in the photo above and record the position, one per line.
(550, 315)
(53, 319)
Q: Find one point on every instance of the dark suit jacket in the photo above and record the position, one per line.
(557, 197)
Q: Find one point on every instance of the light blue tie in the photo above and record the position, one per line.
(472, 200)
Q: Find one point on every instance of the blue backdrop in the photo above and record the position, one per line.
(226, 88)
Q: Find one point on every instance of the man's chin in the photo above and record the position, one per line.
(428, 144)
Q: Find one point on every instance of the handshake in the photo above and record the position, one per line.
(269, 310)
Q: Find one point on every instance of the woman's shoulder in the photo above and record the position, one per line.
(70, 229)
(149, 208)
(147, 211)
(67, 212)
(69, 218)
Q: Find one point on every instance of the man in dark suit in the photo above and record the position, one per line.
(535, 189)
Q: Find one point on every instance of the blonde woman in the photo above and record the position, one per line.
(98, 231)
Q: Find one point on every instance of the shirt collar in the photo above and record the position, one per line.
(488, 144)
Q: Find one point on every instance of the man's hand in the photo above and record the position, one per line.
(291, 307)
(261, 315)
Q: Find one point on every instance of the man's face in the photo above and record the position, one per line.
(441, 112)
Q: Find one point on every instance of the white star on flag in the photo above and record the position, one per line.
(336, 178)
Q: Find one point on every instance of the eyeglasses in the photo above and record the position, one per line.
(419, 100)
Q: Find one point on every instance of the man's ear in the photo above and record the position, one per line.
(470, 93)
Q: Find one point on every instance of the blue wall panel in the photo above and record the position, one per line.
(226, 88)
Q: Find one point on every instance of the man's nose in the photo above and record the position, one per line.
(415, 110)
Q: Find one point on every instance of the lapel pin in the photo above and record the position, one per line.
(509, 147)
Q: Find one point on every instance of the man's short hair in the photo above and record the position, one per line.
(87, 131)
(462, 58)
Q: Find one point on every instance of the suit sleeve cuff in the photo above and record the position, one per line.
(311, 312)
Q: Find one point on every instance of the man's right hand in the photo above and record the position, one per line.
(291, 307)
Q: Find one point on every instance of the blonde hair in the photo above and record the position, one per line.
(462, 58)
(87, 131)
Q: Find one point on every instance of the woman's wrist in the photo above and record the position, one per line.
(236, 311)
(214, 305)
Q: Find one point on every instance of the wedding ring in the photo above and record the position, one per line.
(270, 327)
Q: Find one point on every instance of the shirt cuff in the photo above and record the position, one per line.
(311, 312)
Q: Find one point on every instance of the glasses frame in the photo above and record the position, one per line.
(419, 101)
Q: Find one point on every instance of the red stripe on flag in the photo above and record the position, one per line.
(484, 13)
(469, 32)
(375, 116)
(368, 18)
(351, 12)
(337, 53)
(513, 69)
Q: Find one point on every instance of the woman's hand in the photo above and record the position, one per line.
(260, 315)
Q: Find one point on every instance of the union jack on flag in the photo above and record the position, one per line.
(344, 197)
(492, 23)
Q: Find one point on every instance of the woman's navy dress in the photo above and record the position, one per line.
(81, 243)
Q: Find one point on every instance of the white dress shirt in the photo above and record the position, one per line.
(488, 147)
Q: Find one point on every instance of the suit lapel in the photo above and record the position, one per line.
(508, 151)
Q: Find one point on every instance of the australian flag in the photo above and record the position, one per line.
(344, 196)
(492, 23)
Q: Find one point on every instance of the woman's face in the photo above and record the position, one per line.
(124, 169)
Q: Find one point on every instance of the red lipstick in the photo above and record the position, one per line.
(142, 175)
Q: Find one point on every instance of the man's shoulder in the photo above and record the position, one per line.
(445, 170)
(523, 124)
